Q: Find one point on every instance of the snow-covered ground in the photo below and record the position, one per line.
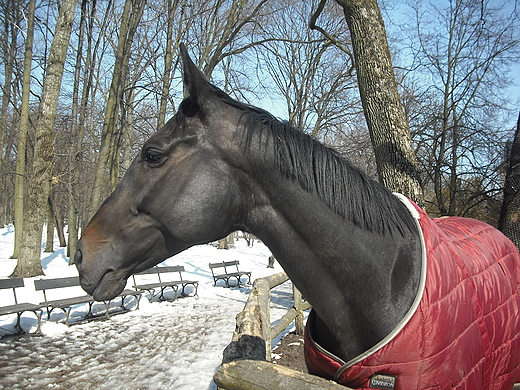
(164, 345)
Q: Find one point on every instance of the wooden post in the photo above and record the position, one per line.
(253, 326)
(254, 321)
(298, 305)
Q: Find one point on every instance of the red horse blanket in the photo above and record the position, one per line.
(465, 332)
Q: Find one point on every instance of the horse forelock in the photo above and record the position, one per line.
(344, 188)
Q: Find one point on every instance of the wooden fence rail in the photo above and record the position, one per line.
(247, 359)
(261, 375)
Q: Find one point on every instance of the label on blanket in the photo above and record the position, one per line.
(383, 381)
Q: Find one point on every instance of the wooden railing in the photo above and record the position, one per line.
(262, 375)
(247, 359)
(255, 319)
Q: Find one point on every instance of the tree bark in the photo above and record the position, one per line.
(49, 241)
(8, 49)
(58, 222)
(20, 178)
(395, 157)
(29, 262)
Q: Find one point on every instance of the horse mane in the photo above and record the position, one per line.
(344, 188)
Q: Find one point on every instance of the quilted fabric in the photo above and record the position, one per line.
(465, 333)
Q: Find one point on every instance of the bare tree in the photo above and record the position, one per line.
(222, 25)
(40, 182)
(172, 46)
(20, 175)
(312, 75)
(388, 126)
(130, 18)
(8, 37)
(461, 51)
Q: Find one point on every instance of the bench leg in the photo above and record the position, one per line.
(67, 319)
(90, 306)
(107, 308)
(18, 326)
(195, 286)
(38, 314)
(152, 294)
(161, 298)
(123, 302)
(50, 310)
(136, 296)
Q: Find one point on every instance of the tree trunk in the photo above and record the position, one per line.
(78, 128)
(73, 212)
(223, 243)
(168, 62)
(109, 123)
(49, 241)
(58, 223)
(19, 181)
(396, 161)
(126, 131)
(509, 222)
(29, 263)
(132, 8)
(8, 49)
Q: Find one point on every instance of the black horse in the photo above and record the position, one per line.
(349, 244)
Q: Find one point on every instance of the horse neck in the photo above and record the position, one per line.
(360, 283)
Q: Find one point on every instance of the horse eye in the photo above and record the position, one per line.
(153, 156)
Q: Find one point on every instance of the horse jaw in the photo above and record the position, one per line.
(105, 262)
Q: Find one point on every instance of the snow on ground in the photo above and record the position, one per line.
(163, 345)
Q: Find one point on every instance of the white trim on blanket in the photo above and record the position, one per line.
(413, 308)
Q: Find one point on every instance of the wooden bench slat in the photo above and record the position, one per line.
(19, 308)
(163, 285)
(226, 276)
(11, 283)
(66, 304)
(163, 269)
(48, 284)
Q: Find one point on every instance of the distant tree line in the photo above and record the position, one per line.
(84, 83)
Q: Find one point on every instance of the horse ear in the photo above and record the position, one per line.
(196, 84)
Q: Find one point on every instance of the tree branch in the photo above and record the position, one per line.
(332, 40)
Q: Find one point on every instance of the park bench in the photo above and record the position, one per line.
(235, 273)
(66, 304)
(19, 308)
(162, 283)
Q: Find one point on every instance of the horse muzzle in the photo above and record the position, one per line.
(102, 284)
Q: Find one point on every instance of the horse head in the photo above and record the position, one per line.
(181, 190)
(219, 165)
